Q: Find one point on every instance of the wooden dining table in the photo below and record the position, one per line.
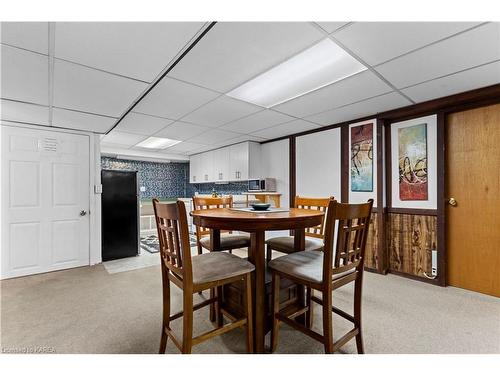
(257, 223)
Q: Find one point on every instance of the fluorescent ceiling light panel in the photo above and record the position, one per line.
(157, 143)
(316, 67)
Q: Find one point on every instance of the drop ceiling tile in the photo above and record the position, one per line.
(24, 76)
(330, 27)
(139, 50)
(221, 111)
(467, 50)
(182, 148)
(288, 128)
(142, 124)
(89, 90)
(233, 52)
(22, 112)
(257, 121)
(471, 79)
(355, 88)
(239, 139)
(376, 42)
(173, 99)
(81, 121)
(29, 35)
(202, 149)
(121, 138)
(365, 108)
(213, 136)
(181, 131)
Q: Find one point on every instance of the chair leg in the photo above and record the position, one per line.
(275, 309)
(269, 253)
(220, 317)
(327, 322)
(309, 304)
(166, 317)
(212, 314)
(357, 315)
(187, 322)
(248, 303)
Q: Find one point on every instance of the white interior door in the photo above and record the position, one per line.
(45, 201)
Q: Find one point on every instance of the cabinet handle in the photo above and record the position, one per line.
(236, 175)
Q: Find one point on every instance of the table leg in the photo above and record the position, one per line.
(299, 242)
(299, 245)
(214, 239)
(247, 199)
(257, 257)
(277, 201)
(214, 246)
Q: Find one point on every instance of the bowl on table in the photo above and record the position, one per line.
(261, 206)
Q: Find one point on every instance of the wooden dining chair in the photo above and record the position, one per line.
(228, 240)
(326, 271)
(285, 244)
(193, 274)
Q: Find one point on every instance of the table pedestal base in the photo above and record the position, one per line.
(234, 303)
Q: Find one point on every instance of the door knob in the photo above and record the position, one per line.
(83, 213)
(452, 202)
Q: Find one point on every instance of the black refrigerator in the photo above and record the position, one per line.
(120, 214)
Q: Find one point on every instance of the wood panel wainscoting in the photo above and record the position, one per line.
(410, 243)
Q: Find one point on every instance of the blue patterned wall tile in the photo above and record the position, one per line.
(169, 180)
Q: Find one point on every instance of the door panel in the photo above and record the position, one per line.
(47, 175)
(473, 165)
(24, 249)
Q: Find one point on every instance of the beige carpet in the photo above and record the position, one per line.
(88, 310)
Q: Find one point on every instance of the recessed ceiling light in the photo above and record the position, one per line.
(158, 143)
(316, 67)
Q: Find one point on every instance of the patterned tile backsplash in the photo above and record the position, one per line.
(169, 180)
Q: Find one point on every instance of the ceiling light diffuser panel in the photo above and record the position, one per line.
(316, 67)
(157, 143)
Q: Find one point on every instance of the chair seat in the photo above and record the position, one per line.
(304, 265)
(216, 266)
(228, 241)
(286, 244)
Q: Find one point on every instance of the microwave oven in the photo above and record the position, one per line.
(263, 184)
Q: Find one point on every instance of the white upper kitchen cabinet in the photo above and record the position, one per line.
(238, 162)
(207, 166)
(221, 166)
(195, 169)
(244, 161)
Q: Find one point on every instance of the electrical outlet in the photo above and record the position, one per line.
(434, 262)
(98, 189)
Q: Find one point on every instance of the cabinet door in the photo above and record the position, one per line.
(194, 169)
(238, 155)
(221, 164)
(207, 170)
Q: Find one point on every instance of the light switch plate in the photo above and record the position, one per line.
(98, 189)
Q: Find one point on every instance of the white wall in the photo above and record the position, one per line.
(363, 196)
(275, 164)
(318, 164)
(431, 203)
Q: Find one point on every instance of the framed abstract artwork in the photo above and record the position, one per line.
(412, 157)
(362, 157)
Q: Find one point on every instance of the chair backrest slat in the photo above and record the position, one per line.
(173, 236)
(319, 204)
(350, 222)
(206, 203)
